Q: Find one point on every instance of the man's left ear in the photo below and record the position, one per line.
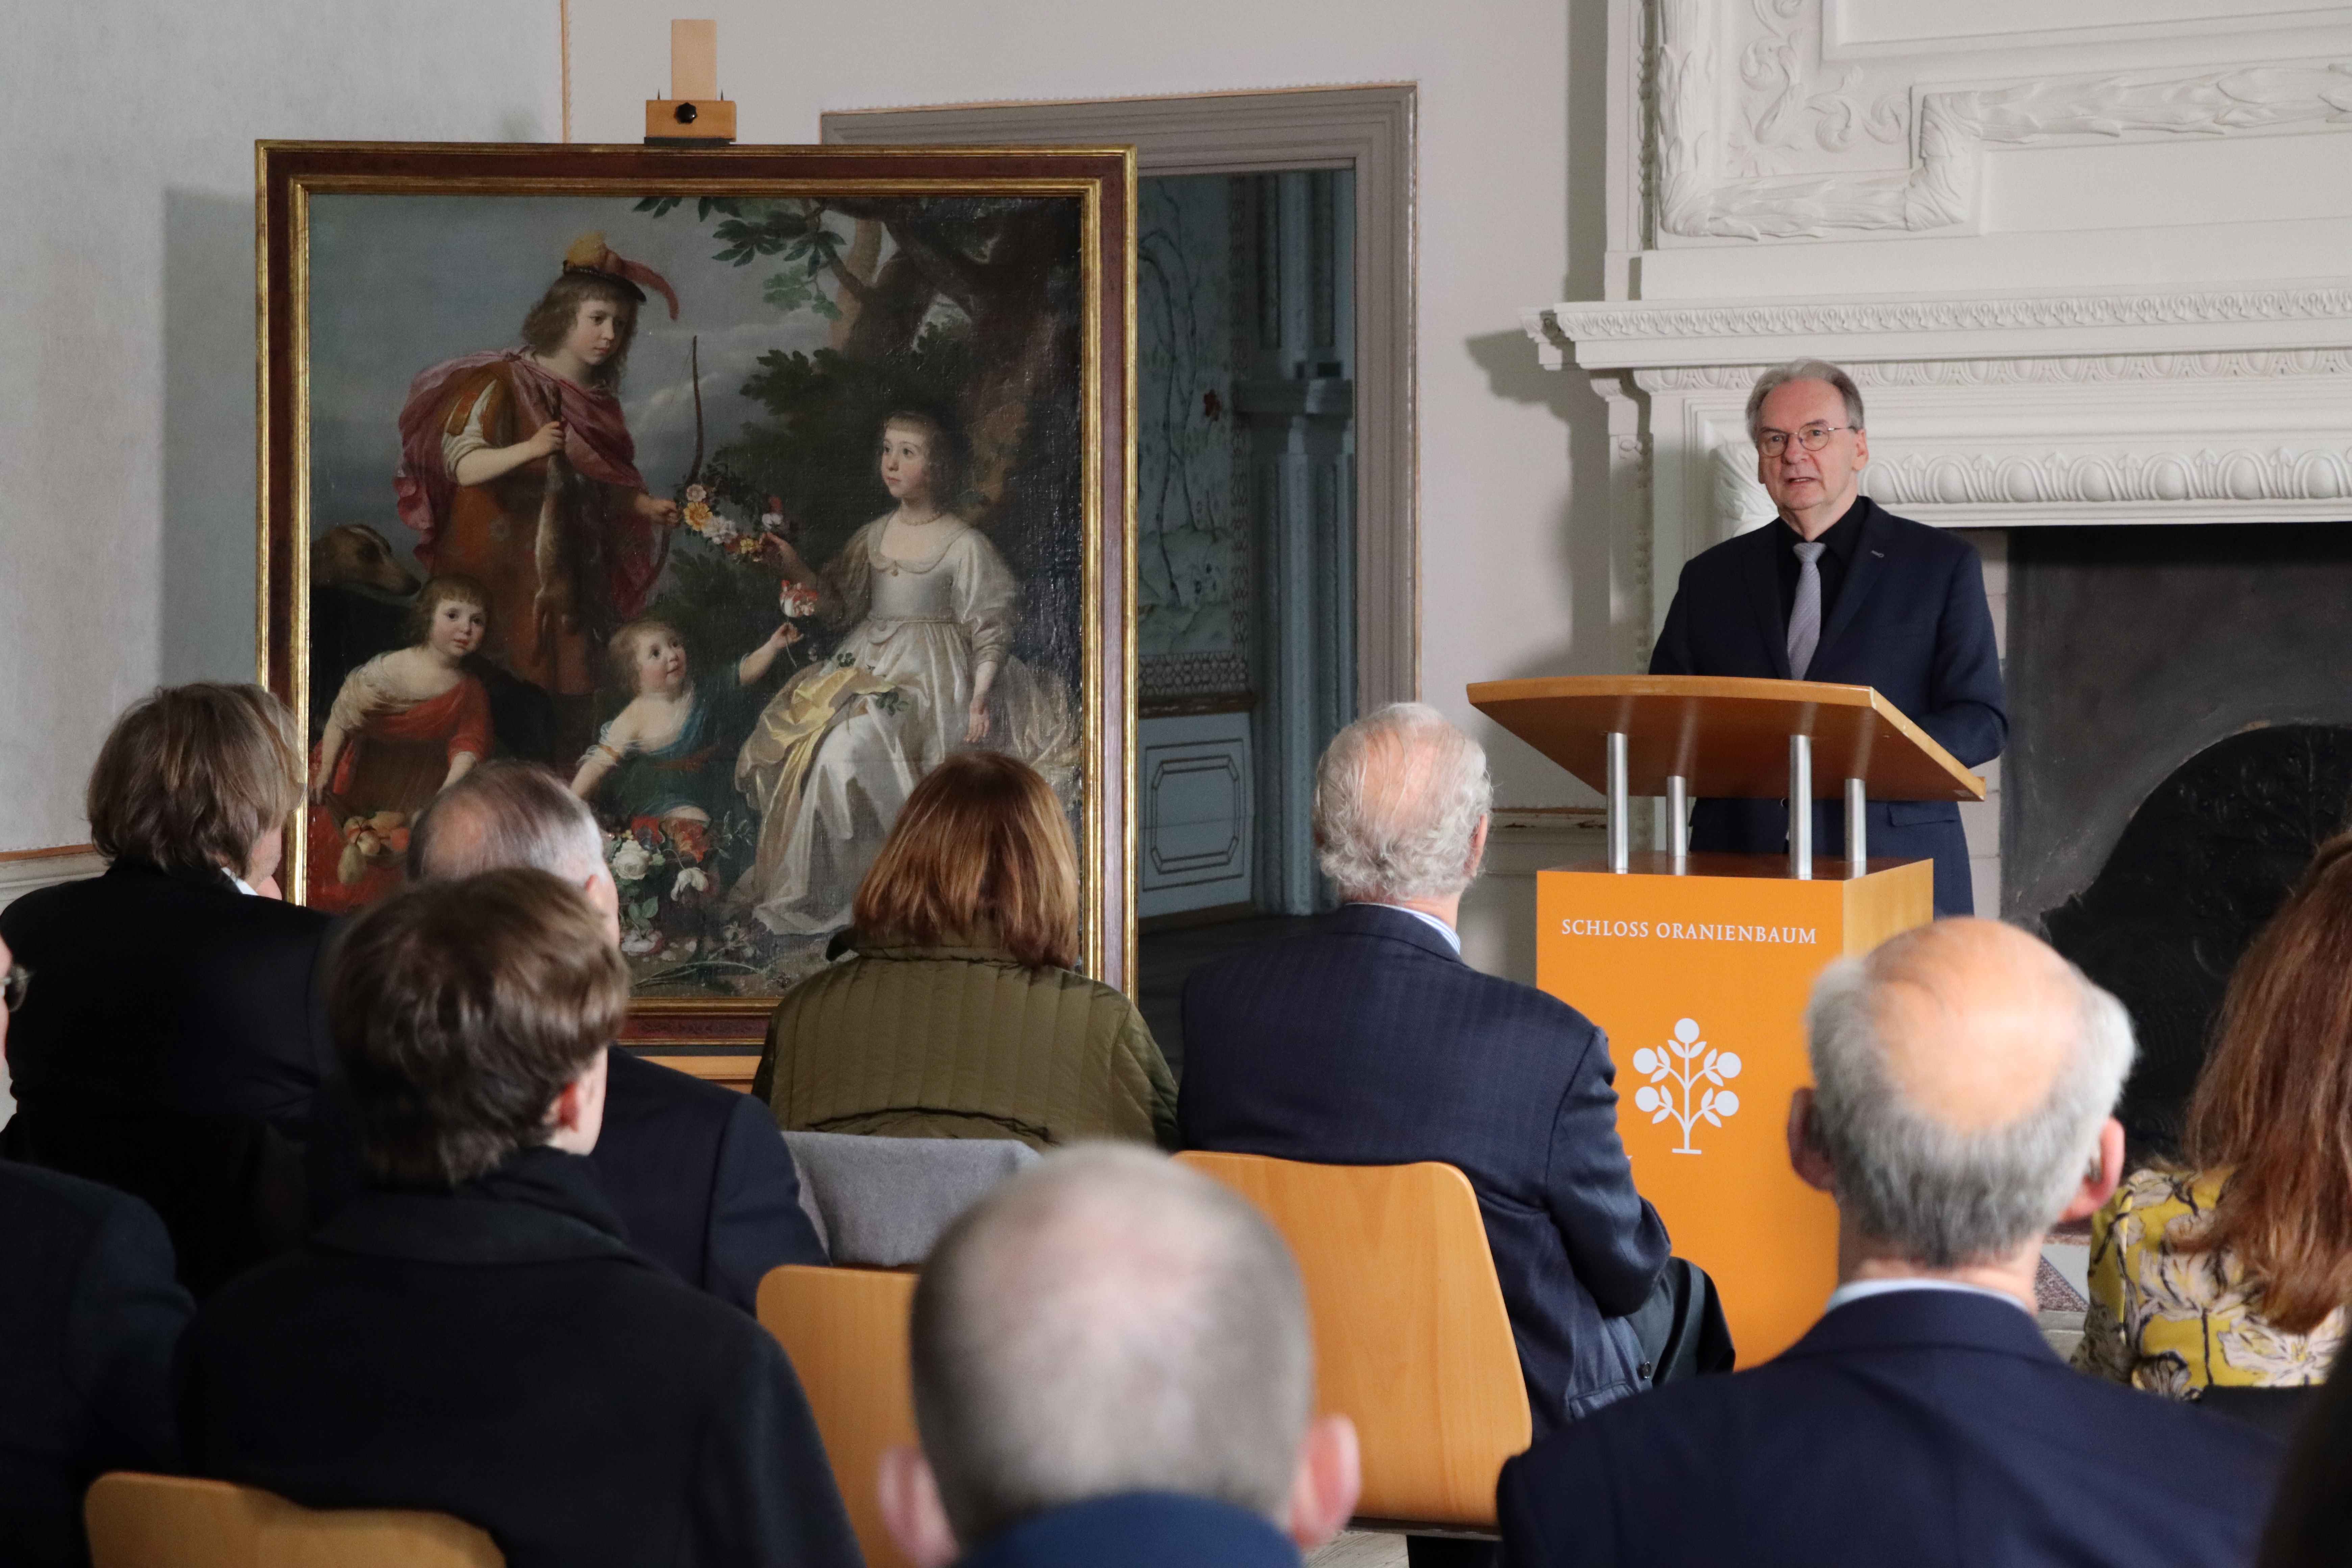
(1860, 449)
(909, 1495)
(1805, 1155)
(2105, 1175)
(1330, 1477)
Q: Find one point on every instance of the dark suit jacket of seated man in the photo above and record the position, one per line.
(471, 1334)
(1923, 1420)
(90, 1317)
(1369, 1042)
(1902, 609)
(500, 1354)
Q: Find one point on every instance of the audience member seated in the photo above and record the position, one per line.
(1369, 1042)
(89, 1314)
(695, 1171)
(1965, 1074)
(2311, 1518)
(1111, 1364)
(177, 1036)
(471, 1334)
(959, 1012)
(2233, 1269)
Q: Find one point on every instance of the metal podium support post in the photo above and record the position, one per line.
(1678, 821)
(1857, 829)
(1800, 807)
(1621, 821)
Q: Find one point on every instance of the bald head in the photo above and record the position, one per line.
(1398, 795)
(511, 814)
(1963, 1071)
(1109, 1322)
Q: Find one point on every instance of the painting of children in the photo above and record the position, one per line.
(741, 511)
(405, 725)
(927, 668)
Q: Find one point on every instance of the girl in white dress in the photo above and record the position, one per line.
(926, 670)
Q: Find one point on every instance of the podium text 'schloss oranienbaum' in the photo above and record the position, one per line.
(1680, 930)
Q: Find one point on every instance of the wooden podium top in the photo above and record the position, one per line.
(1726, 736)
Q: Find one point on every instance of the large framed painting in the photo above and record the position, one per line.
(738, 486)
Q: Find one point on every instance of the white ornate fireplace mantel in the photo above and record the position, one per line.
(2088, 263)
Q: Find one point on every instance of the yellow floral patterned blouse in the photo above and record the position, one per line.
(2171, 1321)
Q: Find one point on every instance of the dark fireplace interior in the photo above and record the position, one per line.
(2180, 707)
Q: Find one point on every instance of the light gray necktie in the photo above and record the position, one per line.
(1805, 614)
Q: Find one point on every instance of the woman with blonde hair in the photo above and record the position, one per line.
(960, 1013)
(172, 1033)
(2234, 1270)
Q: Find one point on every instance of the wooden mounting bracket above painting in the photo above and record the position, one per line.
(689, 122)
(693, 115)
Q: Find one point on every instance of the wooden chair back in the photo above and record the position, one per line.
(174, 1522)
(1411, 1341)
(844, 1330)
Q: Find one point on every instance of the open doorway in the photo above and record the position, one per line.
(1246, 634)
(1275, 530)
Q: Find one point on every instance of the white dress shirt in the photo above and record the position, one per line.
(1863, 1290)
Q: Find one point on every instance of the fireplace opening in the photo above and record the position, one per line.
(2180, 703)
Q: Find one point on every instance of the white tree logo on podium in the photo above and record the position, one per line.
(1698, 1071)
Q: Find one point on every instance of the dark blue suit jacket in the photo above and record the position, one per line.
(1910, 620)
(1920, 1427)
(701, 1178)
(498, 1352)
(1138, 1530)
(1368, 1042)
(90, 1317)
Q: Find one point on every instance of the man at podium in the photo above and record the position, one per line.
(1837, 589)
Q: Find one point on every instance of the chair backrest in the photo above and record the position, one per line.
(844, 1330)
(173, 1522)
(882, 1202)
(1411, 1339)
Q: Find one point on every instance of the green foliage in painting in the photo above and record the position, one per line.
(817, 453)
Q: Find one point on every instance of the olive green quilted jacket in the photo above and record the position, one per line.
(963, 1042)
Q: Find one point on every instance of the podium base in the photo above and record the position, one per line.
(1700, 977)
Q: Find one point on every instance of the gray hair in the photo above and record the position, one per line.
(505, 813)
(1109, 1321)
(1779, 375)
(1947, 1197)
(1398, 795)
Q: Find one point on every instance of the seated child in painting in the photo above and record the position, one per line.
(668, 756)
(406, 725)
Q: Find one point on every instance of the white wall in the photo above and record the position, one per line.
(1506, 587)
(127, 339)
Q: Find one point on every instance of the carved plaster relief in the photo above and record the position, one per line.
(1712, 161)
(2158, 480)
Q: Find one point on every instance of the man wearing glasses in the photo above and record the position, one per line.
(1839, 589)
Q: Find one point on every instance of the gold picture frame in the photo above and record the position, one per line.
(375, 260)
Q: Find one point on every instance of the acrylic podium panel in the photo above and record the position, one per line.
(1700, 981)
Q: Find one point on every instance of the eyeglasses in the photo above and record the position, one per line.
(1813, 437)
(19, 981)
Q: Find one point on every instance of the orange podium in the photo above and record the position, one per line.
(1698, 966)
